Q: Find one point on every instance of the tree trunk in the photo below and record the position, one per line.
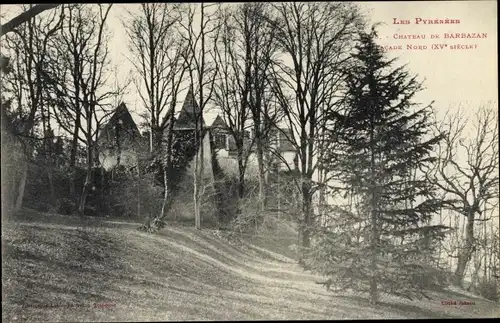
(49, 161)
(485, 242)
(475, 274)
(151, 140)
(21, 188)
(51, 184)
(305, 225)
(322, 206)
(374, 220)
(465, 254)
(167, 199)
(138, 189)
(28, 153)
(241, 174)
(88, 180)
(72, 157)
(195, 194)
(85, 191)
(306, 237)
(165, 170)
(304, 192)
(197, 182)
(262, 176)
(201, 178)
(7, 180)
(373, 265)
(157, 139)
(267, 167)
(157, 154)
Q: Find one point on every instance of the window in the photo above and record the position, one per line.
(220, 141)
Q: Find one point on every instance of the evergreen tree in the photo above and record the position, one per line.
(381, 242)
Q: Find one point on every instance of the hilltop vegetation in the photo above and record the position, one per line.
(57, 261)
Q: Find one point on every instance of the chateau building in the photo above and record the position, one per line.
(121, 142)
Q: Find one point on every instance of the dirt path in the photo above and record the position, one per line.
(178, 274)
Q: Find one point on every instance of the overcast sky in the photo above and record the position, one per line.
(451, 76)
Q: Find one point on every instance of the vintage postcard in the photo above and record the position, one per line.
(249, 161)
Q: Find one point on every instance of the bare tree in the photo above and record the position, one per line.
(467, 172)
(244, 57)
(316, 38)
(483, 257)
(91, 101)
(70, 46)
(81, 89)
(200, 37)
(157, 57)
(231, 91)
(30, 46)
(262, 101)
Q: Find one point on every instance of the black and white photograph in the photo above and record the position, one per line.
(194, 161)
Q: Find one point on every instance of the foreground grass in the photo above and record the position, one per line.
(65, 269)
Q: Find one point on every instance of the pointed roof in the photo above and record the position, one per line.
(219, 123)
(189, 111)
(121, 117)
(122, 114)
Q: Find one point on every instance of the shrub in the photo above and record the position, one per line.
(66, 206)
(227, 199)
(131, 195)
(488, 288)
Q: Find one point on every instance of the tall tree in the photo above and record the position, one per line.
(232, 88)
(244, 56)
(93, 98)
(242, 91)
(315, 39)
(30, 45)
(467, 173)
(383, 144)
(159, 61)
(71, 47)
(200, 36)
(81, 89)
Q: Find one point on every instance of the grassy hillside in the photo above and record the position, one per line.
(63, 269)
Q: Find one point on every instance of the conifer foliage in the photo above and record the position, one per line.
(381, 240)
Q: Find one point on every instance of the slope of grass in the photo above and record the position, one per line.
(65, 269)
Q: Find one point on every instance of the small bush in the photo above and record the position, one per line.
(226, 199)
(488, 289)
(66, 206)
(91, 210)
(431, 278)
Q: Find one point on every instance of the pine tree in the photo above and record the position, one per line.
(382, 242)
